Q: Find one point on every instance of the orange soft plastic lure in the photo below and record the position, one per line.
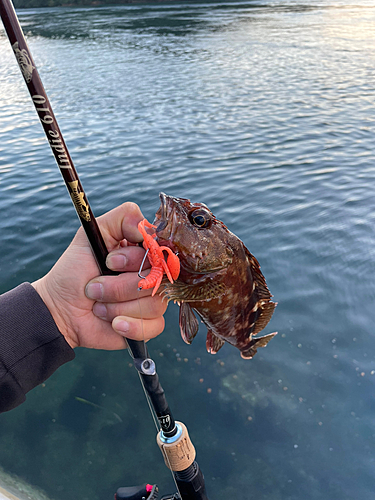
(156, 257)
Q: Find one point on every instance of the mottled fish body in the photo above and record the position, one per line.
(220, 279)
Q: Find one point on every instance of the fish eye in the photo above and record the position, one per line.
(200, 218)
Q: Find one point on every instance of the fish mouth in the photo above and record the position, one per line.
(164, 219)
(167, 220)
(163, 205)
(161, 214)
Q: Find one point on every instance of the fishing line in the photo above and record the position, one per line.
(152, 411)
(151, 408)
(141, 267)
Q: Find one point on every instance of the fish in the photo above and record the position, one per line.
(220, 281)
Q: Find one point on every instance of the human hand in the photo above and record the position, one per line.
(99, 311)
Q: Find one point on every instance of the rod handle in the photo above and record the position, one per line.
(178, 451)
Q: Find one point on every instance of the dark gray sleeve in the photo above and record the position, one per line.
(31, 346)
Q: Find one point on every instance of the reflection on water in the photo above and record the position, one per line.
(264, 111)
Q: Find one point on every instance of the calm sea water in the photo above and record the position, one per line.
(264, 111)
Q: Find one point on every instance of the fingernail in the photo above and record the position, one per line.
(94, 291)
(100, 310)
(116, 262)
(121, 326)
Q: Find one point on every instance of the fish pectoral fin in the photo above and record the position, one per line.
(251, 349)
(188, 323)
(213, 343)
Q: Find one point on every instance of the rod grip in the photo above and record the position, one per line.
(179, 454)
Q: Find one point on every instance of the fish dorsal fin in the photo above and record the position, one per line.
(188, 323)
(203, 291)
(264, 304)
(251, 349)
(213, 343)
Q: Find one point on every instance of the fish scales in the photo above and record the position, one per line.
(220, 280)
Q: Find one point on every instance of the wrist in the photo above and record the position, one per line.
(41, 287)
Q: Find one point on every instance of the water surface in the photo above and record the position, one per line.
(264, 111)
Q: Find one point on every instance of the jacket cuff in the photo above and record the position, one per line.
(31, 346)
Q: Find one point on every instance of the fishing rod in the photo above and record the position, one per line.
(173, 438)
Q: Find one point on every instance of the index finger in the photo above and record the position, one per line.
(119, 223)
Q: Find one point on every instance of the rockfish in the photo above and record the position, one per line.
(219, 279)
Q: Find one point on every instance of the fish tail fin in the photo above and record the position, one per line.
(251, 349)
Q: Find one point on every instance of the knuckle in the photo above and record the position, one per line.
(115, 290)
(130, 206)
(161, 325)
(160, 306)
(120, 292)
